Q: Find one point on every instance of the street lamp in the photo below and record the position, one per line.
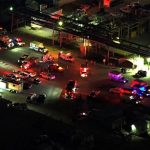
(12, 17)
(60, 23)
(11, 8)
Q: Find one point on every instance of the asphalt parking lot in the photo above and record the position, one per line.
(54, 105)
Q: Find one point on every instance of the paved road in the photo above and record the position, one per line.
(54, 107)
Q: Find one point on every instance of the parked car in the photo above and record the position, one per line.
(26, 65)
(18, 41)
(36, 98)
(140, 74)
(71, 90)
(132, 99)
(13, 91)
(142, 90)
(135, 99)
(12, 76)
(138, 82)
(22, 74)
(67, 56)
(47, 76)
(147, 91)
(27, 85)
(117, 76)
(31, 73)
(38, 46)
(36, 81)
(18, 106)
(23, 58)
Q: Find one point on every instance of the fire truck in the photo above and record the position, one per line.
(6, 40)
(84, 70)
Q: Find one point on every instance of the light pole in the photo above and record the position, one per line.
(53, 40)
(60, 24)
(148, 60)
(60, 39)
(12, 18)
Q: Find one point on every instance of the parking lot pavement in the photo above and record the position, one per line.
(97, 79)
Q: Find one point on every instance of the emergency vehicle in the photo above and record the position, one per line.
(26, 65)
(11, 85)
(138, 82)
(67, 56)
(7, 40)
(39, 47)
(84, 70)
(71, 90)
(29, 63)
(117, 76)
(17, 42)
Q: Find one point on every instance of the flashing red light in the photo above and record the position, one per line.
(19, 39)
(106, 3)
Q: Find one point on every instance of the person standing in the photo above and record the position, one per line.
(104, 61)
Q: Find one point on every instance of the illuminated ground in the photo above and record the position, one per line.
(53, 89)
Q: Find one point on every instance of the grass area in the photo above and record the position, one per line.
(121, 52)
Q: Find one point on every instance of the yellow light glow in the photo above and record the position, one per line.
(87, 43)
(133, 128)
(115, 41)
(36, 26)
(60, 23)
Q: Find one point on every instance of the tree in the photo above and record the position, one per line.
(32, 4)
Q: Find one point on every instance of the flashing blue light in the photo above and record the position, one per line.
(142, 88)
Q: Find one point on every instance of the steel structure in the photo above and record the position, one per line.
(78, 28)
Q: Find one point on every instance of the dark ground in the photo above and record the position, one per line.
(27, 130)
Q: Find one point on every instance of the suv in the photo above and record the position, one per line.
(140, 74)
(71, 90)
(36, 99)
(22, 59)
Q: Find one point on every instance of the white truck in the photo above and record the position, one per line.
(37, 46)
